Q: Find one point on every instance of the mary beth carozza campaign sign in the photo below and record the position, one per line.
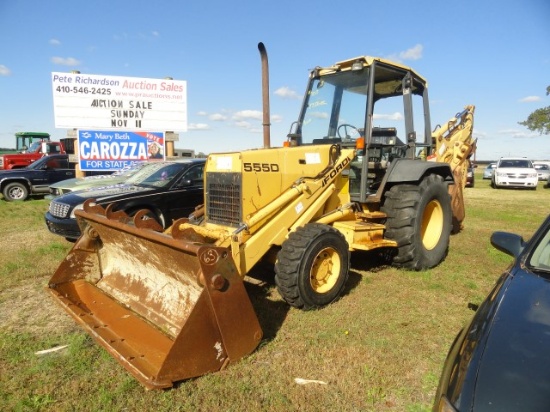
(112, 150)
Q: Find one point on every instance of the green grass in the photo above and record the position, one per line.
(381, 347)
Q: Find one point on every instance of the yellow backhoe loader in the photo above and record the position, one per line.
(172, 305)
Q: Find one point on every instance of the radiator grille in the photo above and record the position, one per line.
(59, 209)
(223, 200)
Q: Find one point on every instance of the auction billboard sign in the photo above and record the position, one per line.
(86, 101)
(113, 150)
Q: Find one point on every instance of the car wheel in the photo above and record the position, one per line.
(15, 192)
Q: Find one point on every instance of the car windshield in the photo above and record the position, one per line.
(541, 167)
(39, 164)
(155, 174)
(129, 170)
(515, 163)
(540, 258)
(34, 146)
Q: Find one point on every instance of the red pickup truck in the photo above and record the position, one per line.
(36, 150)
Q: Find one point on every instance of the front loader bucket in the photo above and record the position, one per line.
(167, 309)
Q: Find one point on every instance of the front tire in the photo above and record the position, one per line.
(312, 266)
(420, 221)
(15, 192)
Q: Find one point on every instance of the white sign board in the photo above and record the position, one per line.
(87, 101)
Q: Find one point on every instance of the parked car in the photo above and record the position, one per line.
(167, 190)
(488, 172)
(81, 183)
(500, 361)
(515, 172)
(470, 175)
(543, 171)
(35, 179)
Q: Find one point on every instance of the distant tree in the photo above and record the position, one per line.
(539, 120)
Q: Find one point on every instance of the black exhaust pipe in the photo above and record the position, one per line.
(265, 96)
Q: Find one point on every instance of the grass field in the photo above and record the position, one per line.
(379, 348)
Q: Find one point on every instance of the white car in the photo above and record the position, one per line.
(515, 172)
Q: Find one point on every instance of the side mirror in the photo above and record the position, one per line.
(184, 183)
(509, 243)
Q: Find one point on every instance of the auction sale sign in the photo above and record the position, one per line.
(113, 150)
(85, 101)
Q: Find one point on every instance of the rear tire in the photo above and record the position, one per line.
(15, 192)
(312, 266)
(420, 221)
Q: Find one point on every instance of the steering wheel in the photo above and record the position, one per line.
(346, 127)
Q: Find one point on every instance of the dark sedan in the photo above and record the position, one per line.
(500, 361)
(167, 190)
(470, 176)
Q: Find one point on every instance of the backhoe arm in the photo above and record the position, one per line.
(453, 144)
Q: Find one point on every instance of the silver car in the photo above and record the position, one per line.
(81, 183)
(489, 170)
(543, 170)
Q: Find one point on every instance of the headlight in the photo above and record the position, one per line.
(533, 175)
(78, 207)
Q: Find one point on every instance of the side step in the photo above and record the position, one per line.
(362, 235)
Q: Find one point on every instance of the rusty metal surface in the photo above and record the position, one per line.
(166, 308)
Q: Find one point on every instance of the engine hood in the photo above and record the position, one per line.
(99, 180)
(103, 194)
(514, 373)
(17, 172)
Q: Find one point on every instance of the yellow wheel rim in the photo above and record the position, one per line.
(432, 224)
(325, 270)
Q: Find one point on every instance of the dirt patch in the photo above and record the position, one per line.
(28, 308)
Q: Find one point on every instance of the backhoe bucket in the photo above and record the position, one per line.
(165, 307)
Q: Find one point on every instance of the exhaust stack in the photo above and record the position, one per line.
(265, 96)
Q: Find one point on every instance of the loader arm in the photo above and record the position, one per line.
(453, 143)
(275, 217)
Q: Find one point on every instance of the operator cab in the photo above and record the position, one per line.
(366, 103)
